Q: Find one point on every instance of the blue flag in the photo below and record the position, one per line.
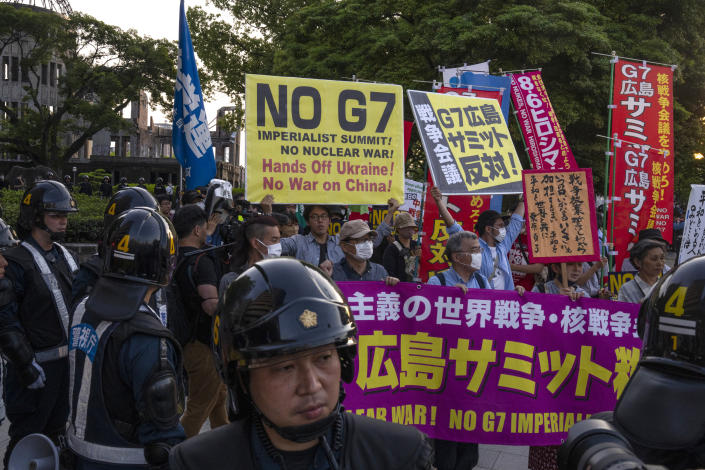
(190, 135)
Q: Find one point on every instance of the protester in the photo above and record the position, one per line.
(401, 257)
(590, 278)
(106, 188)
(570, 287)
(259, 240)
(319, 248)
(290, 227)
(127, 390)
(356, 242)
(33, 324)
(92, 268)
(649, 258)
(164, 201)
(191, 197)
(524, 273)
(85, 186)
(495, 240)
(464, 253)
(650, 234)
(287, 383)
(197, 279)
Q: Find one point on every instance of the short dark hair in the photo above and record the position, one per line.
(254, 228)
(188, 217)
(163, 197)
(309, 209)
(486, 219)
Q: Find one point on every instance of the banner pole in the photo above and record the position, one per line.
(421, 235)
(516, 119)
(610, 145)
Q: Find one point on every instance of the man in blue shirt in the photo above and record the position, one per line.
(495, 240)
(464, 253)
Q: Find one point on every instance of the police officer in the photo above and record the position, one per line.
(285, 337)
(661, 411)
(140, 183)
(123, 183)
(126, 389)
(92, 268)
(68, 183)
(106, 187)
(159, 187)
(85, 186)
(34, 325)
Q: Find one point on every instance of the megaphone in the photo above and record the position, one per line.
(34, 452)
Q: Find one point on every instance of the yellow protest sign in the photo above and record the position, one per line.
(467, 144)
(323, 141)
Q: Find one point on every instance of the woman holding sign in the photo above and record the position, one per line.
(649, 257)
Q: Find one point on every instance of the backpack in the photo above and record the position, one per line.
(480, 281)
(180, 321)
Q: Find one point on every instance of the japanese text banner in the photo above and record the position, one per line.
(490, 367)
(544, 138)
(561, 224)
(693, 242)
(642, 169)
(323, 141)
(467, 144)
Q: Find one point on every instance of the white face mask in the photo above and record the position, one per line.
(500, 236)
(476, 262)
(273, 251)
(364, 250)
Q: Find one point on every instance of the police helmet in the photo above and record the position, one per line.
(140, 246)
(141, 180)
(673, 319)
(219, 197)
(160, 180)
(278, 307)
(44, 196)
(123, 180)
(125, 199)
(85, 178)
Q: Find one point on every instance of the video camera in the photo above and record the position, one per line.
(595, 444)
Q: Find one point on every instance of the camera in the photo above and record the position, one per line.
(595, 444)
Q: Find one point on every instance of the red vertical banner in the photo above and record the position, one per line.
(464, 209)
(642, 167)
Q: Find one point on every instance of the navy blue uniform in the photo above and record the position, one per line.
(110, 423)
(38, 315)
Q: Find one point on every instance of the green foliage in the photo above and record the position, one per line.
(404, 41)
(86, 226)
(104, 68)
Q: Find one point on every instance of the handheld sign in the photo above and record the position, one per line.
(561, 223)
(467, 144)
(313, 141)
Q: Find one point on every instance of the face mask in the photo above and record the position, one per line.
(500, 236)
(476, 262)
(273, 251)
(364, 250)
(202, 205)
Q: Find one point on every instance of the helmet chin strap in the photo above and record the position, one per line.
(53, 236)
(306, 432)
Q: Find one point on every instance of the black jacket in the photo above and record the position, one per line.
(369, 444)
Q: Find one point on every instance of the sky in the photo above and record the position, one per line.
(154, 18)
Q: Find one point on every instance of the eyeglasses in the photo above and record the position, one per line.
(317, 217)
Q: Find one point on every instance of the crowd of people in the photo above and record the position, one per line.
(196, 299)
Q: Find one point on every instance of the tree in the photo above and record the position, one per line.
(404, 41)
(104, 70)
